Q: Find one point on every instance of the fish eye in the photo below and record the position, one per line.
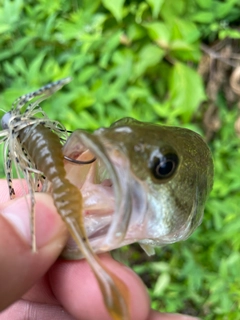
(164, 166)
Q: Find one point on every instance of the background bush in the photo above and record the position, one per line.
(140, 59)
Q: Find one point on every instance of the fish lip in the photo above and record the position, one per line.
(123, 205)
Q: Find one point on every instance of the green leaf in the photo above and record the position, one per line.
(186, 90)
(4, 27)
(35, 66)
(115, 7)
(18, 47)
(159, 32)
(180, 45)
(204, 4)
(149, 56)
(170, 10)
(109, 48)
(156, 6)
(141, 8)
(225, 8)
(187, 30)
(12, 11)
(229, 33)
(161, 284)
(203, 17)
(184, 51)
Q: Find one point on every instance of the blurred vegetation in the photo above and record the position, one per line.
(141, 59)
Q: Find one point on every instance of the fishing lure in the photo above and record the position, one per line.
(32, 142)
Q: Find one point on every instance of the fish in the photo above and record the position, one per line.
(149, 184)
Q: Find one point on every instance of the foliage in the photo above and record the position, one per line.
(139, 59)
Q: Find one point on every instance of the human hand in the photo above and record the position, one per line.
(35, 286)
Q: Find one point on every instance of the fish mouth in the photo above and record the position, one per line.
(112, 197)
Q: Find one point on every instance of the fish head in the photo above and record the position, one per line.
(149, 183)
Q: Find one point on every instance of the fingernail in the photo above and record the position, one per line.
(48, 223)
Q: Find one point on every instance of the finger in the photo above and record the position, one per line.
(34, 311)
(37, 304)
(76, 288)
(20, 268)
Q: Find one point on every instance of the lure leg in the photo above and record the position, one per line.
(29, 180)
(9, 176)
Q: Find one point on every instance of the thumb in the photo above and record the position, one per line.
(20, 268)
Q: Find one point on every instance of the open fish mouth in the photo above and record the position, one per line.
(111, 195)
